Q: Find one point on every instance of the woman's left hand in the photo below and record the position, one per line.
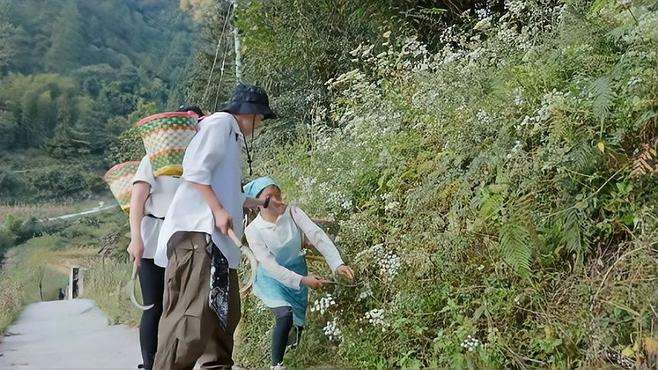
(345, 271)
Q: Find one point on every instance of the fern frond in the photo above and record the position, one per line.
(518, 236)
(646, 162)
(490, 206)
(571, 233)
(583, 156)
(516, 246)
(603, 96)
(430, 16)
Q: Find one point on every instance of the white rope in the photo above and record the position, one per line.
(221, 73)
(219, 45)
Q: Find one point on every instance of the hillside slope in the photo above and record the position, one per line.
(75, 74)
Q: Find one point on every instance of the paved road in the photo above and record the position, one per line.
(68, 335)
(101, 208)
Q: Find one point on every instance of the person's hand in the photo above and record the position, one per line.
(345, 271)
(223, 220)
(313, 282)
(136, 250)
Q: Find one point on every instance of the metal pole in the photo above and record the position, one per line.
(237, 45)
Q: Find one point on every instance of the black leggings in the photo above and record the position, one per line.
(151, 279)
(282, 325)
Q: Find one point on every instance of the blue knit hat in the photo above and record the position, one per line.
(254, 188)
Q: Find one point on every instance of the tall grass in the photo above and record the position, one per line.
(106, 283)
(29, 275)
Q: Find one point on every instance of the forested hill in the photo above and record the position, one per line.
(71, 72)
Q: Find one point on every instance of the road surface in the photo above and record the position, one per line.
(70, 334)
(101, 208)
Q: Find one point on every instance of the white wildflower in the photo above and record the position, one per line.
(471, 343)
(388, 262)
(347, 204)
(389, 265)
(515, 7)
(323, 304)
(376, 318)
(332, 331)
(544, 113)
(518, 98)
(484, 117)
(391, 206)
(483, 24)
(482, 13)
(507, 35)
(365, 294)
(307, 183)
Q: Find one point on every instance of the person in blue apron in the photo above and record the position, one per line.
(276, 236)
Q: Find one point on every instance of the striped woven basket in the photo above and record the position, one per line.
(120, 180)
(165, 136)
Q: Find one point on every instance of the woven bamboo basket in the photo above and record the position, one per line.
(165, 136)
(120, 180)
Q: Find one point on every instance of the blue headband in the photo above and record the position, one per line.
(254, 188)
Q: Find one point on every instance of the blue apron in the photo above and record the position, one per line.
(273, 293)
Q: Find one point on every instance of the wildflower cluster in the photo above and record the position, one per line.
(388, 262)
(332, 331)
(322, 305)
(376, 318)
(389, 265)
(367, 292)
(471, 343)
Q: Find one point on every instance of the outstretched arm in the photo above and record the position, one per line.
(319, 239)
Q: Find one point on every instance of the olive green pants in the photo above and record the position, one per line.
(189, 329)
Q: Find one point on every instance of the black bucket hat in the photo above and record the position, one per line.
(249, 99)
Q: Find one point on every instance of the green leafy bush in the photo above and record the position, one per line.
(486, 195)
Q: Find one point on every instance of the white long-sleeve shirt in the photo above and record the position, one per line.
(213, 158)
(265, 240)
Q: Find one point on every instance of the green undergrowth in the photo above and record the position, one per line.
(497, 198)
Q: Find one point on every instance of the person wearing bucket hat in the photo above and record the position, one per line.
(276, 236)
(249, 99)
(201, 298)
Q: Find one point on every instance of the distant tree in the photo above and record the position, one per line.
(28, 133)
(129, 146)
(7, 50)
(67, 44)
(70, 139)
(7, 131)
